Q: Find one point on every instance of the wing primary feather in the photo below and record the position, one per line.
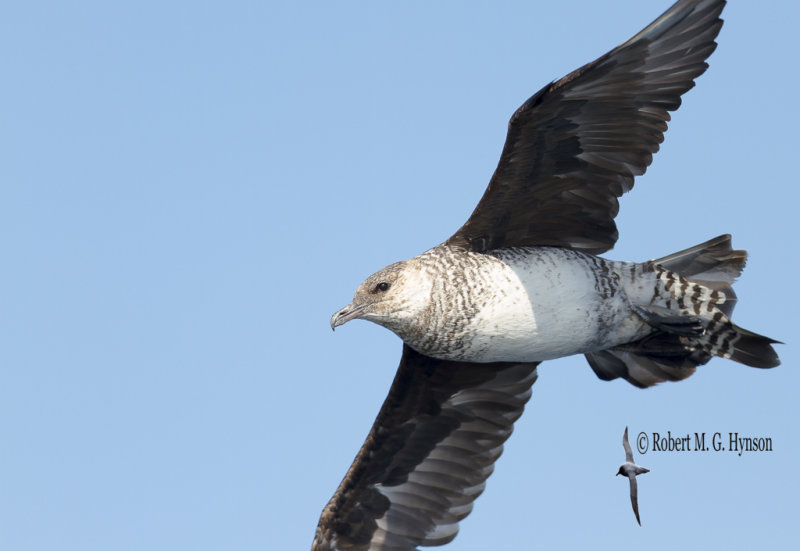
(587, 135)
(427, 456)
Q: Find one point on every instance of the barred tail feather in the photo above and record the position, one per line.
(714, 264)
(689, 310)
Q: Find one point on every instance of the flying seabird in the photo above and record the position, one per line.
(631, 470)
(519, 283)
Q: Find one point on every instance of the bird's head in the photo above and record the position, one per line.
(392, 297)
(620, 472)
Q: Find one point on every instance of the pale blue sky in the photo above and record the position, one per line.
(191, 189)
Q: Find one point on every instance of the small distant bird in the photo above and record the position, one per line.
(520, 283)
(631, 470)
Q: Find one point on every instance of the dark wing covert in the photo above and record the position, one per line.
(427, 456)
(575, 146)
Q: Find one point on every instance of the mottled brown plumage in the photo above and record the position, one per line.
(518, 284)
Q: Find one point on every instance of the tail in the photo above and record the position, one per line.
(687, 298)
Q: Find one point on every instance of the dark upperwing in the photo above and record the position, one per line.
(572, 149)
(575, 146)
(427, 456)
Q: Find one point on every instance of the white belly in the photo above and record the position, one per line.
(548, 303)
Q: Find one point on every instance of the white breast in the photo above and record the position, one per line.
(546, 303)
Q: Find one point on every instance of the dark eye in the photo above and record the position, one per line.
(382, 287)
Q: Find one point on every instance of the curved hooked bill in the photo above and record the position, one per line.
(346, 314)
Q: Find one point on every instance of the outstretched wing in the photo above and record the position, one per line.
(627, 445)
(428, 455)
(635, 497)
(575, 146)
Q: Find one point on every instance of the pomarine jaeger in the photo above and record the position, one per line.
(631, 470)
(520, 283)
